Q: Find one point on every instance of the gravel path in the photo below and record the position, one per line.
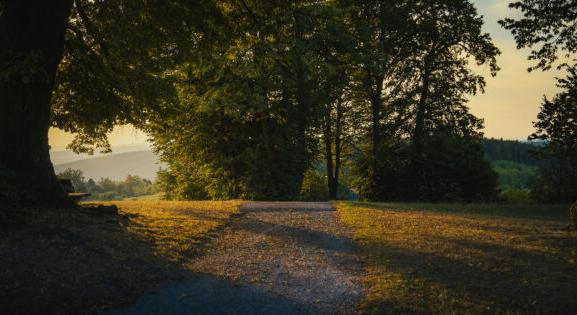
(277, 258)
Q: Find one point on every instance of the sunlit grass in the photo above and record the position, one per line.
(76, 261)
(457, 259)
(175, 227)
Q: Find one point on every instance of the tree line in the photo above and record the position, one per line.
(548, 29)
(243, 97)
(380, 87)
(522, 152)
(108, 189)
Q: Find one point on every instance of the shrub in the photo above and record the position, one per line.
(516, 196)
(314, 187)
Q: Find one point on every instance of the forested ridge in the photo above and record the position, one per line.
(522, 152)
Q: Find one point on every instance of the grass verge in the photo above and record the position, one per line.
(455, 259)
(75, 262)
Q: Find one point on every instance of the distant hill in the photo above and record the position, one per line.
(66, 156)
(511, 150)
(116, 166)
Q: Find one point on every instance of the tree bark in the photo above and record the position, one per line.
(333, 167)
(303, 99)
(327, 135)
(376, 109)
(31, 43)
(338, 128)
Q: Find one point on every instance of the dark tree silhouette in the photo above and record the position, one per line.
(31, 43)
(549, 28)
(68, 64)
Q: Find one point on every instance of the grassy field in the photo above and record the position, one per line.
(146, 197)
(466, 259)
(77, 261)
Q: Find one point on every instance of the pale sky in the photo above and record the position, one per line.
(122, 135)
(509, 106)
(512, 99)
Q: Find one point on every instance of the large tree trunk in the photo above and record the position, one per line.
(31, 43)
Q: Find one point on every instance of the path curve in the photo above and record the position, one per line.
(276, 258)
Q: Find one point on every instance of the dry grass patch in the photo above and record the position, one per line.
(175, 228)
(68, 262)
(451, 259)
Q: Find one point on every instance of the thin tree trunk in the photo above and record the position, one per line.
(303, 99)
(421, 189)
(329, 153)
(376, 108)
(337, 149)
(31, 43)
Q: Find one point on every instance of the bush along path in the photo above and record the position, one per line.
(277, 258)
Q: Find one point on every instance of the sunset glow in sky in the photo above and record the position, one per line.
(509, 106)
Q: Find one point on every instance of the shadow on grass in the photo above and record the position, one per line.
(78, 262)
(74, 261)
(537, 212)
(466, 276)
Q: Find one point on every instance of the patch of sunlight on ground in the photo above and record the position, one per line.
(455, 259)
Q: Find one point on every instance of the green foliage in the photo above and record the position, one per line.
(237, 95)
(76, 178)
(454, 169)
(414, 84)
(516, 196)
(314, 187)
(107, 189)
(514, 176)
(556, 127)
(245, 124)
(120, 73)
(512, 150)
(547, 27)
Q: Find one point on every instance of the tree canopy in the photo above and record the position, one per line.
(549, 29)
(243, 98)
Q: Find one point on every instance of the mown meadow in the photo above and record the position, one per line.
(465, 259)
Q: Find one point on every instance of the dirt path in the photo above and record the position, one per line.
(278, 258)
